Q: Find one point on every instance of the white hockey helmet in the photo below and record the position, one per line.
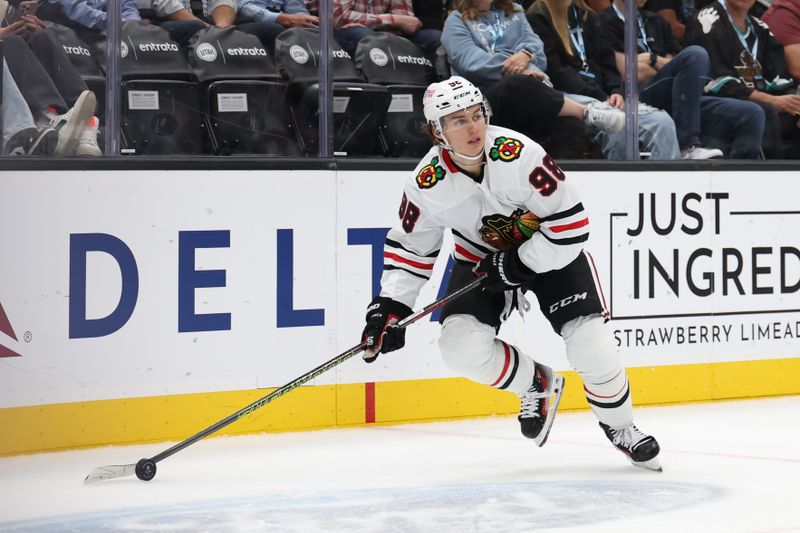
(449, 96)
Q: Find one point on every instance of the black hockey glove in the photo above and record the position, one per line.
(504, 271)
(381, 333)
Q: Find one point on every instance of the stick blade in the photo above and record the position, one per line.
(109, 472)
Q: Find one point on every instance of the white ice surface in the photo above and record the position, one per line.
(728, 467)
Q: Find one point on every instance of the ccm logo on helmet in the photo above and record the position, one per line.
(566, 301)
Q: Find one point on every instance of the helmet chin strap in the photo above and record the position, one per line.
(446, 145)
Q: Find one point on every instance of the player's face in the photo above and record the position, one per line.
(466, 130)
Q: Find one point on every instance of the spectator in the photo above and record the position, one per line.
(22, 137)
(221, 13)
(432, 13)
(748, 66)
(225, 13)
(494, 47)
(676, 12)
(580, 63)
(47, 79)
(87, 18)
(271, 17)
(783, 17)
(175, 16)
(90, 14)
(598, 5)
(672, 79)
(353, 19)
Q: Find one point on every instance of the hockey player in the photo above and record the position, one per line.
(515, 219)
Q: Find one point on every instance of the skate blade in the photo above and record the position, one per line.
(557, 391)
(653, 464)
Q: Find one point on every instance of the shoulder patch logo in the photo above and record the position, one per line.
(430, 174)
(505, 149)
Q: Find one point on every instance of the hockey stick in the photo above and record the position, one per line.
(145, 469)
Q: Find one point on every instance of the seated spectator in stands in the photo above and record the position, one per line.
(493, 46)
(22, 137)
(783, 17)
(432, 13)
(676, 12)
(581, 64)
(221, 13)
(274, 16)
(598, 5)
(47, 79)
(353, 19)
(175, 16)
(225, 13)
(748, 66)
(672, 79)
(90, 14)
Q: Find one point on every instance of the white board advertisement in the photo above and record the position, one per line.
(130, 284)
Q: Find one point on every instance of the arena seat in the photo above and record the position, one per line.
(359, 108)
(84, 60)
(399, 65)
(243, 93)
(161, 111)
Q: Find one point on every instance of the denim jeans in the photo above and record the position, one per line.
(656, 133)
(734, 126)
(677, 89)
(16, 113)
(427, 40)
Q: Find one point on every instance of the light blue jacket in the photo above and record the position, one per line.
(269, 10)
(92, 13)
(477, 48)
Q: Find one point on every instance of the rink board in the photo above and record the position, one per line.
(187, 295)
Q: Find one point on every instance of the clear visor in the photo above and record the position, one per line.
(461, 120)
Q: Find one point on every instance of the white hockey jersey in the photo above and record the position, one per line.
(523, 199)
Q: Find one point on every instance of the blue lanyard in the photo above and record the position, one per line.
(496, 32)
(576, 34)
(743, 35)
(642, 32)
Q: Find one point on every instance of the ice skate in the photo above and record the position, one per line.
(642, 450)
(540, 403)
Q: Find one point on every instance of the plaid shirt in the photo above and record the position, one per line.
(369, 13)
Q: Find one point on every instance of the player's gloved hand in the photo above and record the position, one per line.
(381, 332)
(504, 271)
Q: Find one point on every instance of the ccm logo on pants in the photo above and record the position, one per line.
(566, 301)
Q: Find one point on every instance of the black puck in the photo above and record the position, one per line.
(145, 469)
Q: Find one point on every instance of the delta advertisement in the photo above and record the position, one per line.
(135, 284)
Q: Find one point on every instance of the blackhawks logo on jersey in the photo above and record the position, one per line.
(430, 175)
(502, 232)
(505, 149)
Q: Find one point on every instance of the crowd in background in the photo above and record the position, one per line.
(716, 79)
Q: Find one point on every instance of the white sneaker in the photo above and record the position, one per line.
(698, 152)
(604, 117)
(87, 142)
(71, 124)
